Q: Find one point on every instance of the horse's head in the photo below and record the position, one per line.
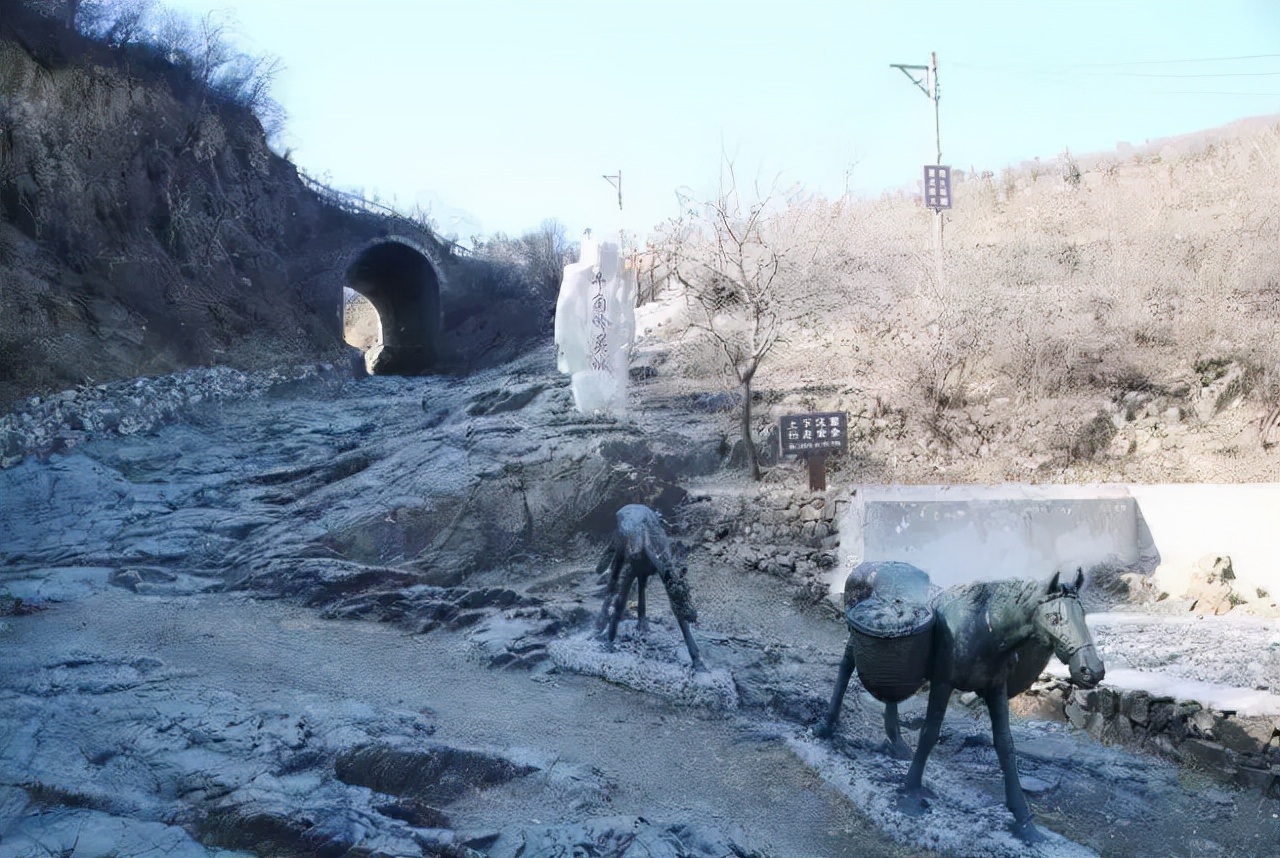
(680, 573)
(1060, 618)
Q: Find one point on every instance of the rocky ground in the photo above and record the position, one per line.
(313, 615)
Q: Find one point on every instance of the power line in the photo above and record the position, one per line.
(1172, 62)
(1067, 67)
(1213, 92)
(1206, 74)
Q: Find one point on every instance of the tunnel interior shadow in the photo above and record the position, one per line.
(402, 285)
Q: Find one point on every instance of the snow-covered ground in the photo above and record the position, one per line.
(962, 533)
(1230, 662)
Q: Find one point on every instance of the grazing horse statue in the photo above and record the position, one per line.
(641, 546)
(994, 639)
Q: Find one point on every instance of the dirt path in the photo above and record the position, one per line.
(657, 760)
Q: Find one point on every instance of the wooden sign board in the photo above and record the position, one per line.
(814, 436)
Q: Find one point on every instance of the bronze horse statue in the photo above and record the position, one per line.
(991, 638)
(641, 546)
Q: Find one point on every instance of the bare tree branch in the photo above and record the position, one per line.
(744, 270)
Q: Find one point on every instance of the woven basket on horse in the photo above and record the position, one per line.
(891, 640)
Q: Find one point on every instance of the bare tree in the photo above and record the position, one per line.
(118, 23)
(546, 251)
(745, 270)
(540, 255)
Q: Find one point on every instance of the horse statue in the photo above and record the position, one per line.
(641, 546)
(991, 638)
(891, 581)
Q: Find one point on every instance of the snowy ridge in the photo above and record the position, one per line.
(646, 664)
(960, 820)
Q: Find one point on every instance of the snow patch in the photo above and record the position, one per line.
(1230, 662)
(1243, 701)
(648, 665)
(959, 821)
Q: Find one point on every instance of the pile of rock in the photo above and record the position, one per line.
(1212, 591)
(40, 425)
(1244, 749)
(788, 535)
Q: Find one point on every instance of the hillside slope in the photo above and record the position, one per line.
(1109, 317)
(145, 225)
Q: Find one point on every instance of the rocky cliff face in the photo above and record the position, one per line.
(146, 227)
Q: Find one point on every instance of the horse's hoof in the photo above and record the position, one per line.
(900, 750)
(699, 667)
(914, 802)
(823, 730)
(1027, 832)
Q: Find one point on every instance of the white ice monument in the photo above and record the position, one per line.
(595, 327)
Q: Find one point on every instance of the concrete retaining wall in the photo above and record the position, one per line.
(966, 533)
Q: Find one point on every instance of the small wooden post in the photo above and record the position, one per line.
(817, 471)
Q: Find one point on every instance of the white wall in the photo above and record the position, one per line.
(967, 533)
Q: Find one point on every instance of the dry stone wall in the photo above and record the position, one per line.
(789, 535)
(1244, 749)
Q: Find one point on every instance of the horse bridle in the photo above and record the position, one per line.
(1057, 619)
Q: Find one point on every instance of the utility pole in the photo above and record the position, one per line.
(936, 96)
(618, 184)
(616, 181)
(929, 86)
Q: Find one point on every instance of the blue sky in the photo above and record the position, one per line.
(500, 113)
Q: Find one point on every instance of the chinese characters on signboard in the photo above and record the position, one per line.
(937, 187)
(814, 433)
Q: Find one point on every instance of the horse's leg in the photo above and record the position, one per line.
(642, 622)
(898, 749)
(688, 642)
(828, 725)
(620, 602)
(998, 706)
(614, 560)
(681, 605)
(914, 792)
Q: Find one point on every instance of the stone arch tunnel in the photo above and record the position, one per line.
(400, 281)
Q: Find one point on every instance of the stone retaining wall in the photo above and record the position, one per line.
(1244, 749)
(790, 535)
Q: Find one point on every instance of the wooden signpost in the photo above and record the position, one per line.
(814, 436)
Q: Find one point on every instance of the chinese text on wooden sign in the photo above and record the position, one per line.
(814, 433)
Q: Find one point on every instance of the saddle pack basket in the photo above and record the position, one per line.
(891, 641)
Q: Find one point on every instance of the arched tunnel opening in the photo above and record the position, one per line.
(401, 284)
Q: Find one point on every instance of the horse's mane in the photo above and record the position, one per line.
(1020, 591)
(1027, 593)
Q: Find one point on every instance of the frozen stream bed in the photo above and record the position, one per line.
(131, 707)
(355, 620)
